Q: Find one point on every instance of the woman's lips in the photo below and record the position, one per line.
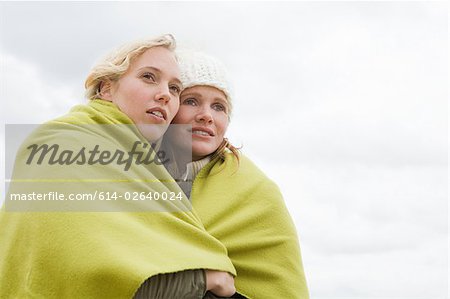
(202, 131)
(157, 113)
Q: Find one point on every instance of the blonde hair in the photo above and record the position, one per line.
(222, 149)
(114, 65)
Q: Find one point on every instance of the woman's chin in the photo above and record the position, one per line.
(200, 153)
(152, 132)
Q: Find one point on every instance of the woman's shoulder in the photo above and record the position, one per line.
(243, 176)
(85, 124)
(93, 112)
(244, 168)
(242, 160)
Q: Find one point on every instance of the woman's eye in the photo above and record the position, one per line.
(189, 101)
(149, 76)
(175, 89)
(219, 107)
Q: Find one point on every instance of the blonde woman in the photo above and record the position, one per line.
(75, 252)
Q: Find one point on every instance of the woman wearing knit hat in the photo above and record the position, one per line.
(236, 202)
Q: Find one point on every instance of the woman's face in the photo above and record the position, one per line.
(206, 109)
(149, 91)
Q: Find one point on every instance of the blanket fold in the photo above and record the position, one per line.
(62, 251)
(244, 209)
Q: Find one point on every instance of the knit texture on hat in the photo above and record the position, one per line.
(198, 68)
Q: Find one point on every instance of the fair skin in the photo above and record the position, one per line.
(205, 108)
(220, 283)
(148, 92)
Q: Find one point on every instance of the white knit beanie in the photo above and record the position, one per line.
(198, 68)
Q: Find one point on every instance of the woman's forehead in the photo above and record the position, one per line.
(159, 58)
(205, 91)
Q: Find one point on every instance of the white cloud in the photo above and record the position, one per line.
(28, 97)
(362, 226)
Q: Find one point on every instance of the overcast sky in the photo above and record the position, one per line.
(342, 104)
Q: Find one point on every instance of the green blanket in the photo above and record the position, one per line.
(96, 254)
(244, 209)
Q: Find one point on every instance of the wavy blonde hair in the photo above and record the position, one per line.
(222, 149)
(114, 65)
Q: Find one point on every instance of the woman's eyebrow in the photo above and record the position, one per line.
(221, 100)
(192, 93)
(178, 81)
(157, 70)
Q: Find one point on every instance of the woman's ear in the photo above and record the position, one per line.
(106, 90)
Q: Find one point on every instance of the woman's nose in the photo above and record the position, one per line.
(205, 116)
(163, 94)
